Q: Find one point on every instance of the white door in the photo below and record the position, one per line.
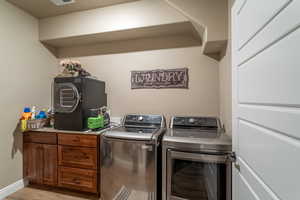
(266, 99)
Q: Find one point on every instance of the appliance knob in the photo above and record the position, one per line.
(140, 118)
(191, 120)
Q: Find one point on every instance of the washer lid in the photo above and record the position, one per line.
(131, 133)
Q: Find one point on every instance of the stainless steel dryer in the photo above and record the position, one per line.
(131, 159)
(196, 160)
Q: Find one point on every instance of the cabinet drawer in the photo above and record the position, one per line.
(82, 157)
(77, 140)
(40, 137)
(79, 179)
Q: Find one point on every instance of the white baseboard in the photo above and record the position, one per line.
(12, 188)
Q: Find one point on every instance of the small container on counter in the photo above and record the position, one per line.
(31, 120)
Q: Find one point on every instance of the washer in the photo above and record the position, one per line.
(131, 159)
(196, 160)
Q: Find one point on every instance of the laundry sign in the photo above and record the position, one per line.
(160, 78)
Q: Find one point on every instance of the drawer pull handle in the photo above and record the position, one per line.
(85, 156)
(77, 139)
(76, 180)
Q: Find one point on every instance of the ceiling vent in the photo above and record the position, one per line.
(62, 2)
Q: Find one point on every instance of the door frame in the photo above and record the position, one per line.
(238, 4)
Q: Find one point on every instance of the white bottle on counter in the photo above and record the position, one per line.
(33, 113)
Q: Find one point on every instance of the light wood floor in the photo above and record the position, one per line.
(38, 193)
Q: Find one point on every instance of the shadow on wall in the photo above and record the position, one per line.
(17, 141)
(125, 46)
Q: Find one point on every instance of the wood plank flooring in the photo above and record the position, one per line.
(43, 193)
(48, 193)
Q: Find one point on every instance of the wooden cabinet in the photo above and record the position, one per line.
(40, 163)
(78, 162)
(62, 159)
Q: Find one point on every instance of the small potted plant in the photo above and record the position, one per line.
(73, 68)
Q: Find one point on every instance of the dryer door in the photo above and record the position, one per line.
(66, 97)
(197, 176)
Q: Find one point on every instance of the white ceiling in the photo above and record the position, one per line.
(45, 8)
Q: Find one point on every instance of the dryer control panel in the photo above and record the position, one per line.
(207, 122)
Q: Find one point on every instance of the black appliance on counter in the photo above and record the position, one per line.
(73, 99)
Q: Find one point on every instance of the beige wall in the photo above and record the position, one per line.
(225, 91)
(212, 14)
(143, 13)
(26, 71)
(202, 98)
(225, 80)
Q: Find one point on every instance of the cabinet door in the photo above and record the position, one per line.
(33, 162)
(50, 164)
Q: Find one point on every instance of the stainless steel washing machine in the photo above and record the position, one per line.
(131, 159)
